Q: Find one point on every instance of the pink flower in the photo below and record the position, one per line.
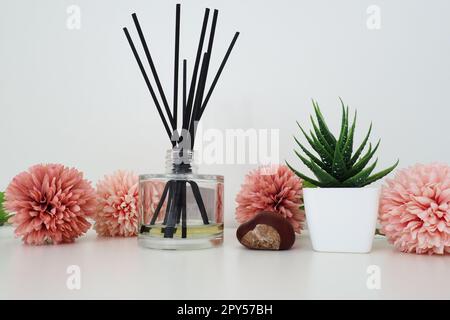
(51, 203)
(415, 209)
(117, 205)
(274, 189)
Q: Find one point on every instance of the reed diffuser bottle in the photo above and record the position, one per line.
(181, 209)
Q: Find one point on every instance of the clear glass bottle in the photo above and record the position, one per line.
(180, 209)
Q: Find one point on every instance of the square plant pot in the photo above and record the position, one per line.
(341, 219)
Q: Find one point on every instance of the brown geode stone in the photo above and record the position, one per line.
(266, 231)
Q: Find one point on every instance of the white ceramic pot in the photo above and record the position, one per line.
(341, 219)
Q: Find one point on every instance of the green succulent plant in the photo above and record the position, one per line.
(337, 165)
(4, 216)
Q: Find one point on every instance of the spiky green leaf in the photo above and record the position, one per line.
(361, 147)
(348, 147)
(304, 177)
(361, 164)
(320, 136)
(323, 126)
(320, 149)
(380, 174)
(310, 155)
(326, 157)
(307, 184)
(338, 169)
(323, 176)
(360, 178)
(344, 127)
(4, 216)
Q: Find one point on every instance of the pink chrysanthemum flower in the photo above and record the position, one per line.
(51, 203)
(274, 189)
(117, 205)
(415, 209)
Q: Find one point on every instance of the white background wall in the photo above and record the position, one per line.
(77, 97)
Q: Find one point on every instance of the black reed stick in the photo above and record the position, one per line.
(161, 202)
(211, 40)
(195, 71)
(198, 97)
(173, 209)
(219, 72)
(199, 200)
(202, 83)
(152, 67)
(170, 201)
(176, 63)
(213, 31)
(183, 212)
(196, 113)
(147, 81)
(184, 84)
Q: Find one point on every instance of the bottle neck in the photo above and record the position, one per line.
(180, 161)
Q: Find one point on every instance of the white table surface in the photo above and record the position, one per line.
(118, 268)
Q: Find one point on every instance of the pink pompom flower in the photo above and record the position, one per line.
(51, 203)
(275, 189)
(117, 205)
(415, 209)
